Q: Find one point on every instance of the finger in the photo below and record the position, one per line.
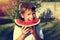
(27, 29)
(23, 27)
(34, 27)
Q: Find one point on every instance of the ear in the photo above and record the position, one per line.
(22, 16)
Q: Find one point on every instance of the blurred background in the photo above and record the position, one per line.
(47, 10)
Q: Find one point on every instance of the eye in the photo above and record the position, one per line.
(33, 13)
(28, 13)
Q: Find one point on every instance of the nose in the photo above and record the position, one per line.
(32, 17)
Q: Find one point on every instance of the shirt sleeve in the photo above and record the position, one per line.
(39, 31)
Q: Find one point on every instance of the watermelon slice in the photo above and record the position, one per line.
(29, 23)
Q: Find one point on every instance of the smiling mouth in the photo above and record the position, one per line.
(31, 19)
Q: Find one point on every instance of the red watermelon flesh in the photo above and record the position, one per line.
(29, 23)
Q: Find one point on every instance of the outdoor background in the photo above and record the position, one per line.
(47, 10)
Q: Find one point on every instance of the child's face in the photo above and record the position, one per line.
(28, 15)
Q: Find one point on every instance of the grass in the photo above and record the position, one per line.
(51, 30)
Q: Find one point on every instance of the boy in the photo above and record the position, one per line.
(24, 33)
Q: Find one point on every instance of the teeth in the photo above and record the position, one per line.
(30, 19)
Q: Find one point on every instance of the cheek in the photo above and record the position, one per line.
(26, 17)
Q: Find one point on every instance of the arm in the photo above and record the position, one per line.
(21, 37)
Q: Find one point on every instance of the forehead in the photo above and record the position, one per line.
(28, 11)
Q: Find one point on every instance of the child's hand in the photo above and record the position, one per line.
(25, 30)
(33, 30)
